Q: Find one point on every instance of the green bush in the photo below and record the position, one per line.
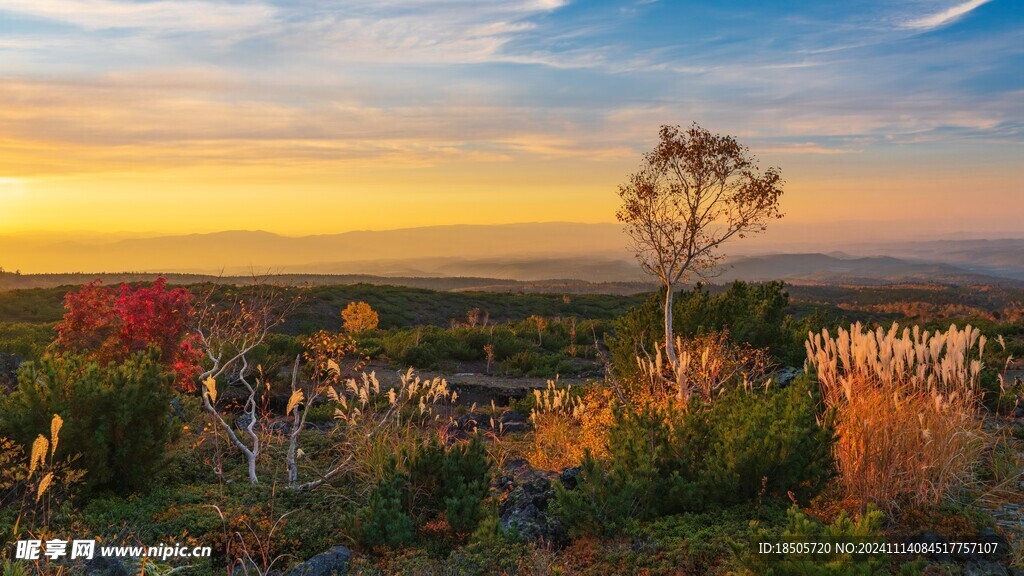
(26, 340)
(741, 447)
(801, 529)
(116, 417)
(754, 314)
(519, 364)
(384, 522)
(453, 480)
(506, 343)
(467, 480)
(449, 480)
(419, 357)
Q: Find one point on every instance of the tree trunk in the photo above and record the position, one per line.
(297, 423)
(252, 468)
(670, 344)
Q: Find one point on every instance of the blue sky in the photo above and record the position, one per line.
(909, 104)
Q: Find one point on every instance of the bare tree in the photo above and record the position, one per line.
(693, 192)
(230, 326)
(296, 399)
(540, 323)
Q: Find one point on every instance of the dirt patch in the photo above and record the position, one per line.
(475, 387)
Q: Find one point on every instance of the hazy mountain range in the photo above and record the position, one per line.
(521, 252)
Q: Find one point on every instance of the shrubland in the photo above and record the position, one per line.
(655, 467)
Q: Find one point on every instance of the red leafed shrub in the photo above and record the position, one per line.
(111, 324)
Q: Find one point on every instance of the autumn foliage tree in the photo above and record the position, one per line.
(694, 192)
(111, 324)
(359, 317)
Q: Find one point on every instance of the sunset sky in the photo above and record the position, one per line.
(304, 117)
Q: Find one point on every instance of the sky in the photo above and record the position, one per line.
(319, 116)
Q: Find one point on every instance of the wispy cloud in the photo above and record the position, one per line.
(415, 32)
(946, 16)
(167, 15)
(803, 148)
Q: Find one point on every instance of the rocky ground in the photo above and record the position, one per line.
(1004, 500)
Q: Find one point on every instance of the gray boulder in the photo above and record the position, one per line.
(334, 562)
(990, 536)
(513, 422)
(524, 509)
(984, 568)
(787, 374)
(9, 364)
(931, 538)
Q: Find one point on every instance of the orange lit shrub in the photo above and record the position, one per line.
(359, 317)
(906, 406)
(563, 436)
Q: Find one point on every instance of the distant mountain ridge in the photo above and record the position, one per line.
(531, 252)
(239, 251)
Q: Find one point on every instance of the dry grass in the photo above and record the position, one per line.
(381, 426)
(706, 366)
(906, 405)
(567, 427)
(555, 443)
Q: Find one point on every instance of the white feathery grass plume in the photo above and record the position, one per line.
(55, 426)
(294, 401)
(40, 447)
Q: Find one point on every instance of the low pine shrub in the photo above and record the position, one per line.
(438, 480)
(754, 314)
(663, 460)
(519, 364)
(866, 527)
(116, 416)
(384, 522)
(467, 478)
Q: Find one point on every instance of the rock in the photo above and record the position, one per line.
(283, 426)
(570, 477)
(784, 376)
(177, 410)
(984, 568)
(9, 364)
(989, 535)
(511, 417)
(242, 421)
(325, 426)
(513, 422)
(525, 508)
(929, 537)
(470, 422)
(334, 562)
(514, 428)
(105, 566)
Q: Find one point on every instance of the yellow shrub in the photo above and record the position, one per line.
(562, 437)
(555, 444)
